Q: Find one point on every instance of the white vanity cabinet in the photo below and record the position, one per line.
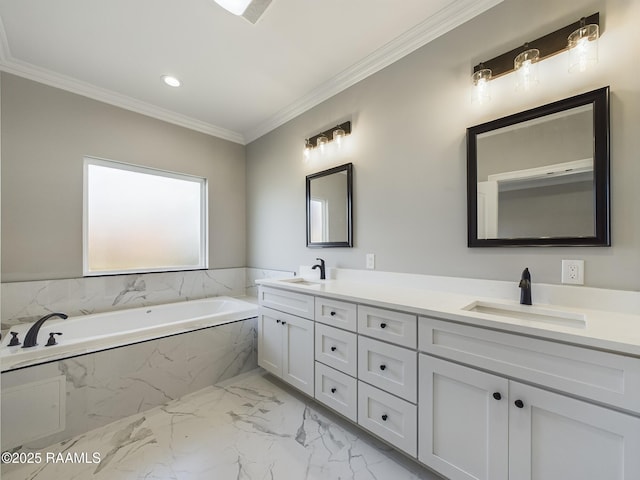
(479, 425)
(469, 402)
(285, 341)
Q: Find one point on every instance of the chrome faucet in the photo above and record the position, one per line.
(525, 287)
(31, 340)
(323, 275)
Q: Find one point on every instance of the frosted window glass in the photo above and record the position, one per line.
(139, 219)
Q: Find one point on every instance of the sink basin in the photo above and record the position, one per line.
(298, 281)
(530, 313)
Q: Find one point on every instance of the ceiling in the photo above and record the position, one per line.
(239, 80)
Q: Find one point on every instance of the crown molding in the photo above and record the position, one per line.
(85, 89)
(32, 72)
(445, 20)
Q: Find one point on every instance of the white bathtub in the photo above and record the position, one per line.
(101, 331)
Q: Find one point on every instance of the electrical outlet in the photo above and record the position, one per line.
(573, 272)
(371, 261)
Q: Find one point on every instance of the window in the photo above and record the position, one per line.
(139, 219)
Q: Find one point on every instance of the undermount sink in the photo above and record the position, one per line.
(298, 281)
(527, 312)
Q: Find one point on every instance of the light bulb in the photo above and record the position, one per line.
(338, 135)
(526, 67)
(583, 47)
(322, 141)
(480, 92)
(307, 149)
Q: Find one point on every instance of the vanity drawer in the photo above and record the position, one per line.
(337, 391)
(336, 313)
(592, 374)
(392, 368)
(389, 417)
(394, 327)
(289, 302)
(337, 348)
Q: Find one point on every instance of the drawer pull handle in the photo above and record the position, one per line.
(333, 390)
(519, 403)
(383, 325)
(333, 314)
(333, 349)
(278, 321)
(383, 367)
(283, 322)
(497, 396)
(384, 417)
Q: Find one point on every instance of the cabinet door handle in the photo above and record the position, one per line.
(333, 349)
(519, 403)
(333, 390)
(283, 322)
(333, 314)
(278, 321)
(383, 367)
(384, 417)
(383, 325)
(497, 396)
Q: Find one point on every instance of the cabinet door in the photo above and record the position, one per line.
(297, 354)
(463, 421)
(552, 436)
(270, 335)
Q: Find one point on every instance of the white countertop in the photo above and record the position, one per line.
(617, 331)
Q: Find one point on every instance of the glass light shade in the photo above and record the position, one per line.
(237, 7)
(322, 141)
(583, 48)
(338, 135)
(526, 68)
(307, 148)
(480, 92)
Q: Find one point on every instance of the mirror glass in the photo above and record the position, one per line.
(329, 207)
(541, 177)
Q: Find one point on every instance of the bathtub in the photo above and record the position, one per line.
(101, 331)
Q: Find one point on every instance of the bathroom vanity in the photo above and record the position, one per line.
(472, 387)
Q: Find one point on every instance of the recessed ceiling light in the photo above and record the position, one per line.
(171, 81)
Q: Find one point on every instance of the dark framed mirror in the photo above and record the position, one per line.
(329, 212)
(541, 177)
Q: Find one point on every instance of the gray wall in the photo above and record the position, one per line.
(45, 134)
(408, 149)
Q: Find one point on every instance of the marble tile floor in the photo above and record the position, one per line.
(251, 427)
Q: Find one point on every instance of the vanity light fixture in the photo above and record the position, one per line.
(578, 38)
(337, 133)
(171, 81)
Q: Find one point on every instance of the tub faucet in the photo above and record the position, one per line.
(321, 267)
(31, 340)
(525, 287)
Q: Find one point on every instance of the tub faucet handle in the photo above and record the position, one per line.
(14, 339)
(52, 339)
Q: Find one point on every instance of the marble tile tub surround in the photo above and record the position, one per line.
(28, 301)
(105, 386)
(249, 427)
